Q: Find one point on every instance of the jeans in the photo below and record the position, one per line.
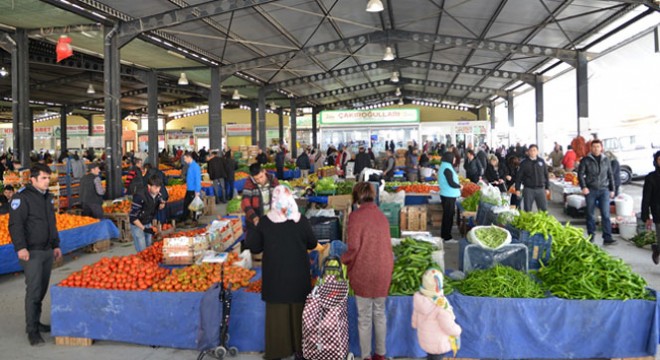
(371, 316)
(599, 198)
(448, 209)
(218, 188)
(141, 240)
(229, 189)
(530, 196)
(37, 276)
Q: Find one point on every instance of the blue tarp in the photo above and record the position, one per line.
(492, 328)
(417, 199)
(208, 190)
(239, 184)
(70, 240)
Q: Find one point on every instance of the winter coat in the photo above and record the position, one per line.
(569, 160)
(596, 175)
(303, 162)
(217, 168)
(362, 161)
(651, 197)
(369, 257)
(434, 325)
(473, 170)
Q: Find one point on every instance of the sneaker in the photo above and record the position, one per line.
(609, 242)
(656, 254)
(380, 357)
(35, 338)
(44, 328)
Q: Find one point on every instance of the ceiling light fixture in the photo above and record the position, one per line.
(389, 54)
(397, 92)
(395, 77)
(236, 95)
(3, 72)
(272, 105)
(400, 102)
(375, 6)
(90, 88)
(183, 80)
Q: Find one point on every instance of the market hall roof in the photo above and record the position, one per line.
(321, 52)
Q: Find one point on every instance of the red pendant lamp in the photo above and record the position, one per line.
(63, 48)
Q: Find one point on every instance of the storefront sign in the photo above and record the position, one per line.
(96, 141)
(479, 130)
(201, 130)
(8, 131)
(369, 117)
(238, 130)
(77, 130)
(304, 122)
(273, 134)
(98, 129)
(43, 131)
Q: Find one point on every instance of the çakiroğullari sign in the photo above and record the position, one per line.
(364, 117)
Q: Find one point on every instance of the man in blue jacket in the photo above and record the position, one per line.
(193, 187)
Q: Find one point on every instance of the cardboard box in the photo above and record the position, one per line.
(340, 201)
(400, 162)
(413, 218)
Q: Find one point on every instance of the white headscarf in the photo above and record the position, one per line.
(283, 206)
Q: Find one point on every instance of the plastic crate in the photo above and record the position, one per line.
(395, 231)
(512, 255)
(538, 248)
(329, 229)
(392, 212)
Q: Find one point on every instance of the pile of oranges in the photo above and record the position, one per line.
(240, 175)
(163, 167)
(122, 207)
(176, 192)
(173, 172)
(68, 221)
(117, 273)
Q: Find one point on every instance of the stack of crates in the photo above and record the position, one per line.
(392, 213)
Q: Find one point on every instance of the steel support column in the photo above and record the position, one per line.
(314, 127)
(113, 130)
(215, 110)
(253, 122)
(293, 128)
(280, 125)
(509, 101)
(63, 133)
(152, 117)
(491, 108)
(20, 84)
(90, 124)
(582, 72)
(656, 39)
(538, 87)
(262, 119)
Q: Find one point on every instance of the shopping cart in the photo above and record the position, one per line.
(325, 317)
(220, 351)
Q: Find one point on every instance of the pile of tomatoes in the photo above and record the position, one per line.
(469, 189)
(255, 286)
(153, 253)
(418, 188)
(117, 273)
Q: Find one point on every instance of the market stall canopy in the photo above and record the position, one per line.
(327, 53)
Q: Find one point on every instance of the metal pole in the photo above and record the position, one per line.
(262, 119)
(63, 129)
(215, 110)
(253, 122)
(23, 136)
(294, 129)
(314, 127)
(90, 124)
(538, 86)
(113, 130)
(582, 72)
(152, 117)
(280, 123)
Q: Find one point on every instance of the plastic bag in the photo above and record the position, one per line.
(491, 194)
(394, 198)
(196, 205)
(245, 260)
(473, 238)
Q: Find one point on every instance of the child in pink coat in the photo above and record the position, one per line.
(433, 317)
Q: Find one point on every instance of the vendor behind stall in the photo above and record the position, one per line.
(257, 194)
(143, 210)
(7, 193)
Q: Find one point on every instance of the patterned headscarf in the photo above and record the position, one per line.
(432, 284)
(283, 206)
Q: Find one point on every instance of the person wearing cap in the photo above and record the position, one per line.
(91, 193)
(651, 205)
(433, 317)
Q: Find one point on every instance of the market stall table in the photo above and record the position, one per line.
(560, 189)
(70, 240)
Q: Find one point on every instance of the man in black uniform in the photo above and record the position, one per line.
(91, 193)
(33, 231)
(533, 173)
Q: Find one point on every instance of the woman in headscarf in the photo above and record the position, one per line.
(433, 317)
(284, 236)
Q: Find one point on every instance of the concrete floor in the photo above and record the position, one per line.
(14, 345)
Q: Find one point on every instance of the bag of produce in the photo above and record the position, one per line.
(196, 205)
(490, 194)
(489, 237)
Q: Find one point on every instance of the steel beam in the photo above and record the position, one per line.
(655, 5)
(509, 102)
(63, 130)
(656, 39)
(152, 117)
(314, 127)
(130, 29)
(262, 119)
(253, 123)
(113, 129)
(583, 86)
(280, 125)
(20, 81)
(63, 30)
(491, 107)
(538, 91)
(215, 110)
(293, 128)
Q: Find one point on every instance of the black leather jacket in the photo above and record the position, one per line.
(595, 175)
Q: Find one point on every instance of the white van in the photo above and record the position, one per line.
(634, 152)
